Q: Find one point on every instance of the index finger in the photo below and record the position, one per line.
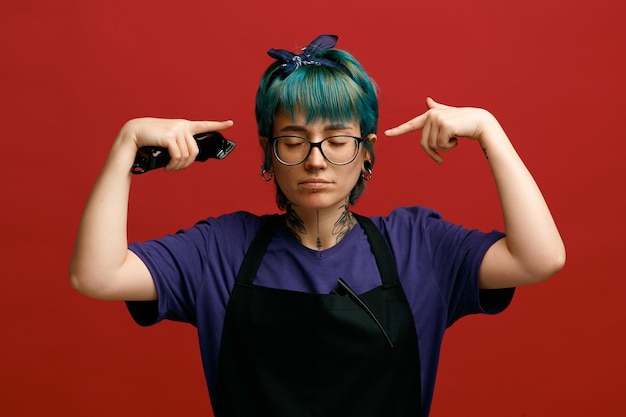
(196, 127)
(410, 126)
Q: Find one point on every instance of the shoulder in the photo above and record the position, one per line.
(407, 213)
(428, 222)
(406, 219)
(419, 228)
(228, 230)
(242, 221)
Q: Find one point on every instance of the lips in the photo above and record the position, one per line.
(314, 180)
(314, 183)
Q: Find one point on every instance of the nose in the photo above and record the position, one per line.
(316, 159)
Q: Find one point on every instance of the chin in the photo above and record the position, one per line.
(318, 201)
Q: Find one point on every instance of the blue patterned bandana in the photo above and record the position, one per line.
(291, 61)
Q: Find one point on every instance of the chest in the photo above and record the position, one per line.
(290, 266)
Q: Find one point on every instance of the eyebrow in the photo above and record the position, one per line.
(329, 127)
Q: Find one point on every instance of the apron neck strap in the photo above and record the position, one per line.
(384, 259)
(254, 255)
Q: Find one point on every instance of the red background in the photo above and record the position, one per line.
(552, 71)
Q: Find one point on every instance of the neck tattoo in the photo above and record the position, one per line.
(318, 244)
(342, 226)
(294, 222)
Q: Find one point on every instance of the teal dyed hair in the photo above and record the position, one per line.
(321, 93)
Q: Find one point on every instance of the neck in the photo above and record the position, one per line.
(320, 229)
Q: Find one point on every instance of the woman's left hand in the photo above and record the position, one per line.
(441, 126)
(532, 250)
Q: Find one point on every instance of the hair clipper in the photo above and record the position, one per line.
(211, 145)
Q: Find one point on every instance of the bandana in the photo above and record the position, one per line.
(291, 61)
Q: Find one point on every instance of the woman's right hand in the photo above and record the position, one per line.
(102, 266)
(176, 135)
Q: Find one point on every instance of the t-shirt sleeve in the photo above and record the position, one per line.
(456, 255)
(446, 258)
(185, 263)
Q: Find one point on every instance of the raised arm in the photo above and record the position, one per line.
(532, 250)
(102, 266)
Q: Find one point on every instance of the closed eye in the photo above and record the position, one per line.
(339, 140)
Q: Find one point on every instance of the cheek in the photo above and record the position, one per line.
(350, 174)
(354, 176)
(282, 175)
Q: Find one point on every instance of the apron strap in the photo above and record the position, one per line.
(384, 259)
(254, 255)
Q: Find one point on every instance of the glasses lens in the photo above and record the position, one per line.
(291, 150)
(338, 150)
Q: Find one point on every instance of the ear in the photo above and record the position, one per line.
(266, 166)
(372, 139)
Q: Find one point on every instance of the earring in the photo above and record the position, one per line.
(266, 175)
(367, 174)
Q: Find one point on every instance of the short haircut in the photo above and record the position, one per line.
(320, 93)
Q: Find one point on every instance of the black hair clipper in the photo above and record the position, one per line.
(211, 145)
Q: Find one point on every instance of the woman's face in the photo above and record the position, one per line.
(317, 183)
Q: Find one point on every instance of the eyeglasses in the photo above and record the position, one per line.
(294, 150)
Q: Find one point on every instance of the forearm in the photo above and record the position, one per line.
(532, 238)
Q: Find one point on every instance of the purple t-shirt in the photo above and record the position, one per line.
(195, 269)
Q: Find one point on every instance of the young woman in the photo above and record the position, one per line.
(318, 311)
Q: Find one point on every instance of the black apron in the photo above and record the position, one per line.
(294, 354)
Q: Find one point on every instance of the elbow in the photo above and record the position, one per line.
(558, 259)
(77, 282)
(74, 277)
(549, 266)
(80, 282)
(557, 264)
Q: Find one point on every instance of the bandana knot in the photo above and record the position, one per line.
(291, 61)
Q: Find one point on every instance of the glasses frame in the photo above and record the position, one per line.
(317, 145)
